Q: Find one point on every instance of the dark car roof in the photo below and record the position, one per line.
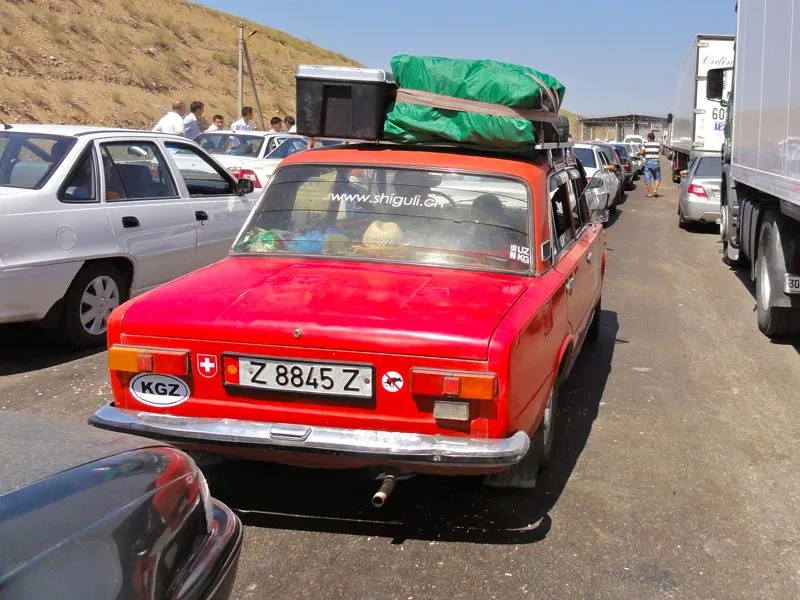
(34, 447)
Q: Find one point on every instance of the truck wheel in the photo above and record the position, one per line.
(730, 255)
(97, 289)
(523, 475)
(773, 321)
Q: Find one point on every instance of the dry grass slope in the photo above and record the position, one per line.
(122, 62)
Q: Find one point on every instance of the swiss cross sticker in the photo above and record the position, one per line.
(207, 365)
(520, 254)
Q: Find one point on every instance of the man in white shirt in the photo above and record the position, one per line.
(191, 123)
(172, 122)
(243, 124)
(289, 123)
(218, 122)
(277, 124)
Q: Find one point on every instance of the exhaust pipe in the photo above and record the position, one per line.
(382, 495)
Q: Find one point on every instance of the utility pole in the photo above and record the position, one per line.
(240, 81)
(253, 81)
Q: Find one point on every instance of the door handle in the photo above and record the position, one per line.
(200, 215)
(589, 258)
(570, 284)
(129, 222)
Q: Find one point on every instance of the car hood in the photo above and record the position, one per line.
(331, 304)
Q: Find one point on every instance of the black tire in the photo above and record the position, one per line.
(594, 329)
(72, 328)
(525, 473)
(773, 321)
(682, 223)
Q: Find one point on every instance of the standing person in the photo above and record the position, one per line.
(217, 123)
(288, 122)
(277, 125)
(243, 124)
(191, 123)
(652, 168)
(172, 122)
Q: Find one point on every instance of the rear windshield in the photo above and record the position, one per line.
(622, 151)
(710, 166)
(28, 160)
(586, 156)
(395, 215)
(233, 145)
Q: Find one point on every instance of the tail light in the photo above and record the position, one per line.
(626, 167)
(147, 360)
(241, 173)
(462, 386)
(698, 190)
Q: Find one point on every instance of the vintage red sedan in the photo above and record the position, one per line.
(404, 308)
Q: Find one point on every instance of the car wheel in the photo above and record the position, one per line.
(594, 328)
(524, 474)
(97, 289)
(682, 222)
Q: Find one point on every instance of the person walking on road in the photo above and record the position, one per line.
(243, 124)
(191, 123)
(172, 122)
(652, 168)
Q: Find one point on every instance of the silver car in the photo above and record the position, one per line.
(92, 216)
(700, 187)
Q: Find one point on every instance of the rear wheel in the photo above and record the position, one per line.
(97, 289)
(773, 321)
(524, 474)
(730, 255)
(682, 222)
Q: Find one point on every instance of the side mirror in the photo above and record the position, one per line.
(610, 168)
(715, 85)
(244, 187)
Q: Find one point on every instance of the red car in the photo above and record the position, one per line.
(385, 306)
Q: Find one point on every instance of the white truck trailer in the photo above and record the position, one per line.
(760, 192)
(697, 123)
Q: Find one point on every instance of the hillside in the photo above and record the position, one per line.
(122, 62)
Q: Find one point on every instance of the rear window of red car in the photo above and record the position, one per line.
(398, 215)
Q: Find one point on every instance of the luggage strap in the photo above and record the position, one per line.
(487, 108)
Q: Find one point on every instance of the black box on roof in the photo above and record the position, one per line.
(342, 102)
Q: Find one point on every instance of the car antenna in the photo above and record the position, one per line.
(5, 125)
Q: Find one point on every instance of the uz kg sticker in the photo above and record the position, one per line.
(520, 254)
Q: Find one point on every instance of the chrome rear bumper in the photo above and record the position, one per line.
(380, 447)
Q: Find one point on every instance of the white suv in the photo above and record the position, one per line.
(91, 216)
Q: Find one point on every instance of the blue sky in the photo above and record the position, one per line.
(614, 56)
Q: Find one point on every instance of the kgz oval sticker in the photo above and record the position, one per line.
(159, 390)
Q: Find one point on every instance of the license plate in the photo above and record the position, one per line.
(792, 284)
(323, 379)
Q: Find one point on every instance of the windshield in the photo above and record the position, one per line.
(231, 144)
(396, 215)
(586, 156)
(710, 166)
(28, 160)
(288, 147)
(622, 151)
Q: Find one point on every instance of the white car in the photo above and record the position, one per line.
(91, 216)
(634, 138)
(596, 164)
(248, 154)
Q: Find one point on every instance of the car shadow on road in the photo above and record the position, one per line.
(742, 273)
(453, 509)
(613, 218)
(25, 348)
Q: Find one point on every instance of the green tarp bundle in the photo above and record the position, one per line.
(481, 80)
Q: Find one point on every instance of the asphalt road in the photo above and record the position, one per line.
(677, 472)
